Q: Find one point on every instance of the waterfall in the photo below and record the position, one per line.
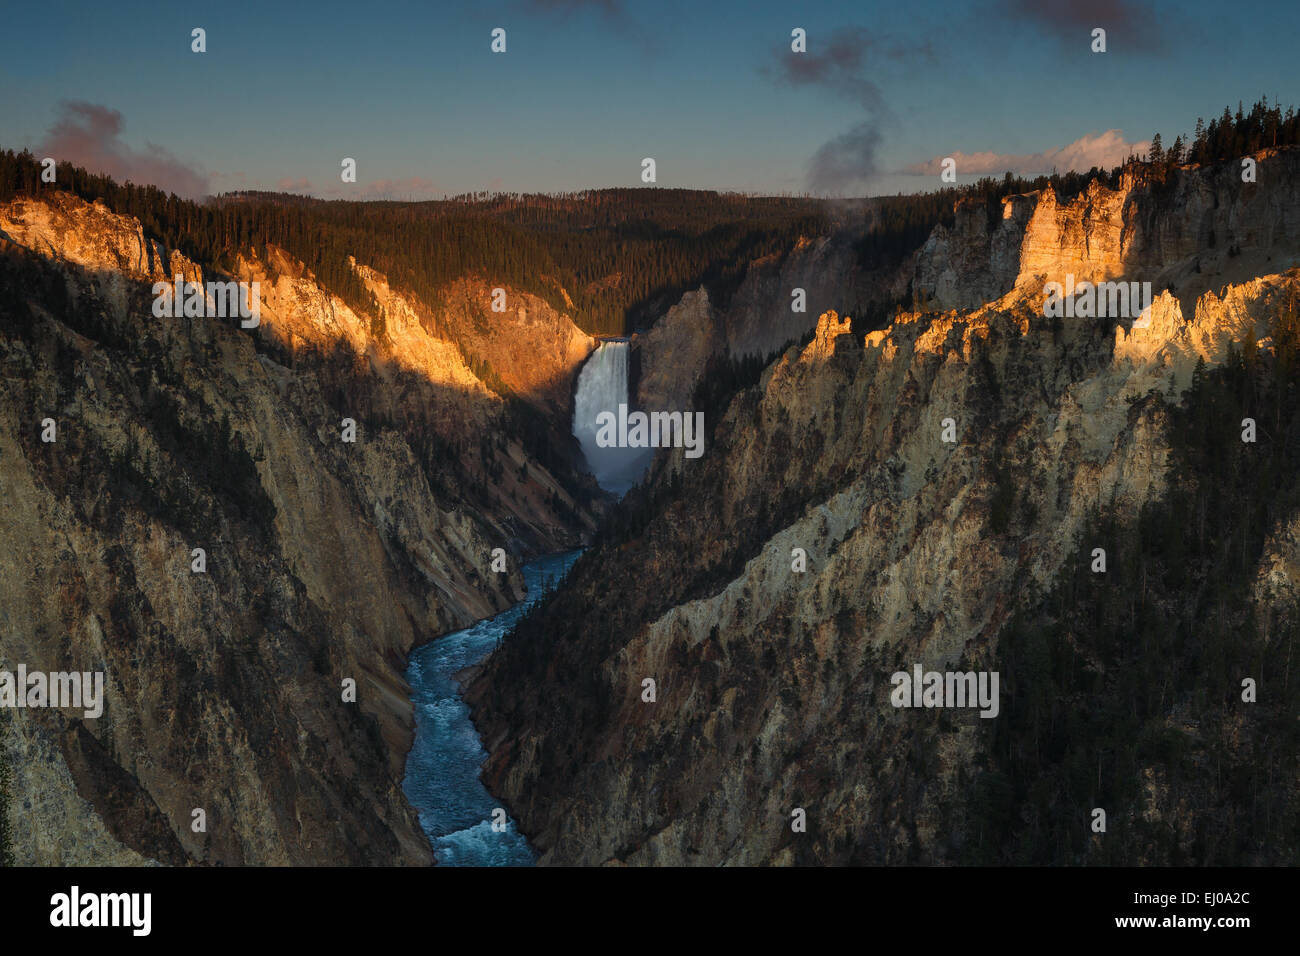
(602, 387)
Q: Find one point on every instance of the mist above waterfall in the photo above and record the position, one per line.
(602, 387)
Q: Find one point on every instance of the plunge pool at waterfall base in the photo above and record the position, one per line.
(442, 771)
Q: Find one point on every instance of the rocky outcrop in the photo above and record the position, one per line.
(760, 319)
(1191, 228)
(763, 315)
(535, 351)
(970, 263)
(675, 351)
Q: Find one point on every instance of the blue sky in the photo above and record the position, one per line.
(586, 89)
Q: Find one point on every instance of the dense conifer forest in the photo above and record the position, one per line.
(622, 256)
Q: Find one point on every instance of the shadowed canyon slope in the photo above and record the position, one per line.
(773, 684)
(325, 560)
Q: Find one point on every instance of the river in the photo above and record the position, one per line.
(442, 770)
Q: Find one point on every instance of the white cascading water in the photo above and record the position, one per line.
(602, 387)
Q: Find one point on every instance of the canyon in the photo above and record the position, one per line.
(325, 560)
(822, 534)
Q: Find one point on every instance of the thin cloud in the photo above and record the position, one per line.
(1105, 150)
(847, 159)
(613, 14)
(839, 65)
(300, 185)
(1082, 13)
(609, 7)
(90, 135)
(1074, 20)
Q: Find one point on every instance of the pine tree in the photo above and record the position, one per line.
(1156, 156)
